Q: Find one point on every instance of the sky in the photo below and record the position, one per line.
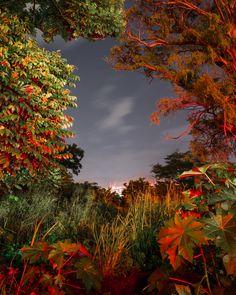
(112, 122)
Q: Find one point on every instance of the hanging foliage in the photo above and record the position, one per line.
(70, 18)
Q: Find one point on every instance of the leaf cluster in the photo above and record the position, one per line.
(70, 19)
(33, 98)
(211, 222)
(52, 268)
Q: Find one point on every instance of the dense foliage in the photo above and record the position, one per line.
(33, 80)
(60, 237)
(70, 19)
(74, 162)
(203, 231)
(33, 100)
(175, 164)
(192, 44)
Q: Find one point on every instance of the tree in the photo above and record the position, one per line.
(192, 44)
(73, 163)
(135, 189)
(175, 164)
(33, 96)
(70, 19)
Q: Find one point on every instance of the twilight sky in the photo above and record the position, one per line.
(112, 121)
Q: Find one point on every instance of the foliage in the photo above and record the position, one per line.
(112, 240)
(135, 189)
(32, 102)
(179, 238)
(191, 44)
(70, 19)
(175, 164)
(51, 269)
(206, 218)
(19, 214)
(121, 242)
(74, 162)
(128, 240)
(51, 181)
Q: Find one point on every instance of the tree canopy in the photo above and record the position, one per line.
(34, 82)
(33, 98)
(192, 44)
(175, 164)
(70, 18)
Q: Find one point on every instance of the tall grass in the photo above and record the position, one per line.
(111, 241)
(141, 222)
(119, 240)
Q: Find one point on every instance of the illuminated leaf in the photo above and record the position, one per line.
(183, 290)
(230, 264)
(179, 238)
(36, 252)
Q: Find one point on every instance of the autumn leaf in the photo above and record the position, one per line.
(36, 252)
(183, 290)
(179, 238)
(230, 264)
(158, 280)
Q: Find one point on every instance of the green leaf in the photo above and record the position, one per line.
(88, 273)
(222, 229)
(36, 252)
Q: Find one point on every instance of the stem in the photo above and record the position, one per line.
(216, 274)
(21, 279)
(209, 179)
(181, 281)
(198, 288)
(37, 226)
(205, 268)
(48, 231)
(73, 286)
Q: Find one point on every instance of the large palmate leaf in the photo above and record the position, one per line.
(87, 271)
(39, 250)
(223, 230)
(179, 237)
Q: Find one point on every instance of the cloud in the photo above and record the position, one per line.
(116, 115)
(103, 96)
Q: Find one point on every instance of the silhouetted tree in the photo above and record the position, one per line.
(175, 164)
(74, 163)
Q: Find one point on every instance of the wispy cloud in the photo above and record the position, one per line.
(115, 110)
(103, 96)
(116, 115)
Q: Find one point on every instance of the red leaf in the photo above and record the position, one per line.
(28, 89)
(84, 251)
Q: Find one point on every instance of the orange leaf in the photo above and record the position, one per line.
(179, 238)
